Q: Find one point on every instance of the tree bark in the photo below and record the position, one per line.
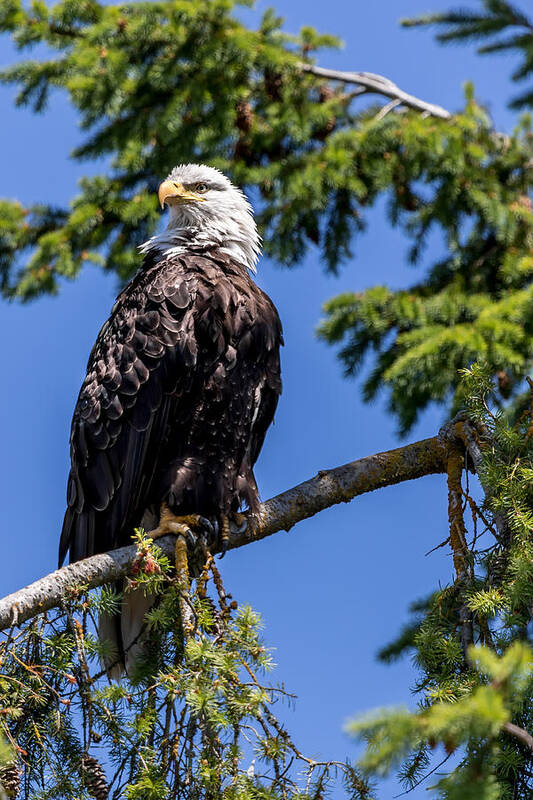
(327, 488)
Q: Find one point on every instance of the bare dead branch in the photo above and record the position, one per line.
(378, 85)
(329, 487)
(382, 113)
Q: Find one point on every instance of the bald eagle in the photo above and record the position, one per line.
(181, 385)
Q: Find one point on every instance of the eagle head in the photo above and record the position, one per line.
(206, 210)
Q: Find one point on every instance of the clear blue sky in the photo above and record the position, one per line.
(337, 587)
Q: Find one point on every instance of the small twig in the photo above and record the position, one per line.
(84, 677)
(423, 778)
(475, 509)
(438, 546)
(71, 33)
(387, 109)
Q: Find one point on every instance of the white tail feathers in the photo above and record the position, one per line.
(125, 632)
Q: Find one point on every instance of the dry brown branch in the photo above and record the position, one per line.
(329, 487)
(378, 85)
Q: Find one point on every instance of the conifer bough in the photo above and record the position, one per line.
(156, 84)
(327, 488)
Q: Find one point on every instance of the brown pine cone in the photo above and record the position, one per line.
(93, 777)
(505, 383)
(10, 779)
(245, 116)
(325, 93)
(273, 84)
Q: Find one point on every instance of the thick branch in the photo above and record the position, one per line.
(379, 85)
(329, 487)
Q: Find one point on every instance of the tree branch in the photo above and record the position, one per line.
(379, 85)
(520, 734)
(329, 487)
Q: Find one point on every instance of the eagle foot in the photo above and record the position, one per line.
(251, 525)
(191, 526)
(239, 522)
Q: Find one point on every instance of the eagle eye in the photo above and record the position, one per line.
(201, 187)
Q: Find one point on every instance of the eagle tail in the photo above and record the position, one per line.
(125, 633)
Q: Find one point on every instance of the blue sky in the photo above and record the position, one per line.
(337, 587)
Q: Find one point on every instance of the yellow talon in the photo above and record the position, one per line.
(239, 519)
(170, 523)
(181, 526)
(224, 534)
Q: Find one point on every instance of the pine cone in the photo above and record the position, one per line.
(243, 152)
(325, 93)
(273, 84)
(10, 779)
(245, 116)
(505, 383)
(93, 777)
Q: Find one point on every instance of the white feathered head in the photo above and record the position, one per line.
(206, 210)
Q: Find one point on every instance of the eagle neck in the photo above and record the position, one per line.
(236, 238)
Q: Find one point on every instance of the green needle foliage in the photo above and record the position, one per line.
(462, 179)
(155, 84)
(502, 26)
(196, 720)
(475, 723)
(472, 640)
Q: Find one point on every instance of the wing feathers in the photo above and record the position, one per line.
(170, 401)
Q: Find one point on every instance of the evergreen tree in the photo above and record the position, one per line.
(471, 640)
(159, 83)
(501, 25)
(192, 722)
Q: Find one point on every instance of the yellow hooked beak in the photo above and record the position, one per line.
(171, 190)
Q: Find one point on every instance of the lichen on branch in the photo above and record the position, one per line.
(326, 489)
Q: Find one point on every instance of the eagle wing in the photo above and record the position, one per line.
(271, 336)
(169, 330)
(142, 353)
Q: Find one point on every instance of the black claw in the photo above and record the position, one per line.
(223, 548)
(209, 531)
(207, 525)
(191, 537)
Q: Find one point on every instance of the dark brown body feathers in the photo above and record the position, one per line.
(181, 386)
